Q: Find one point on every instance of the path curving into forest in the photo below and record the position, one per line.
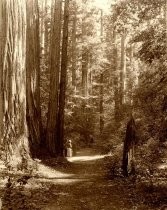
(89, 189)
(81, 183)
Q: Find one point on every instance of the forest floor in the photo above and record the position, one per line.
(81, 183)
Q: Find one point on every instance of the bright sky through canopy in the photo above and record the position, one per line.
(103, 4)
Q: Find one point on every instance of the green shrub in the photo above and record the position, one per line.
(113, 163)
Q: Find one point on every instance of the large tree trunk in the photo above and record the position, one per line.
(63, 78)
(33, 76)
(54, 79)
(13, 77)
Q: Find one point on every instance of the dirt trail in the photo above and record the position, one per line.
(77, 184)
(89, 189)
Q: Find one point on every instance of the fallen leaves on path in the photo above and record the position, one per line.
(81, 184)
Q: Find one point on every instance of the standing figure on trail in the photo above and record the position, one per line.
(68, 148)
(128, 150)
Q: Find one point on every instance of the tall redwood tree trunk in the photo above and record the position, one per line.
(63, 78)
(33, 76)
(51, 136)
(13, 77)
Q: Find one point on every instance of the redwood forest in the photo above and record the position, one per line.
(83, 104)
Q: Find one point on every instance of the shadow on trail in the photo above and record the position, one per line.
(78, 183)
(87, 188)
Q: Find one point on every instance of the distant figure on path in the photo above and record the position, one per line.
(68, 147)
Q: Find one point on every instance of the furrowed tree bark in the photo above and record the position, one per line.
(51, 136)
(13, 78)
(63, 78)
(33, 77)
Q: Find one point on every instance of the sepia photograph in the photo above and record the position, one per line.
(83, 104)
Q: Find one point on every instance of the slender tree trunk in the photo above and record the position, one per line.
(85, 58)
(42, 28)
(33, 76)
(46, 34)
(131, 77)
(13, 77)
(84, 72)
(90, 75)
(122, 69)
(101, 85)
(85, 89)
(115, 82)
(2, 51)
(54, 79)
(63, 78)
(101, 104)
(165, 8)
(74, 28)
